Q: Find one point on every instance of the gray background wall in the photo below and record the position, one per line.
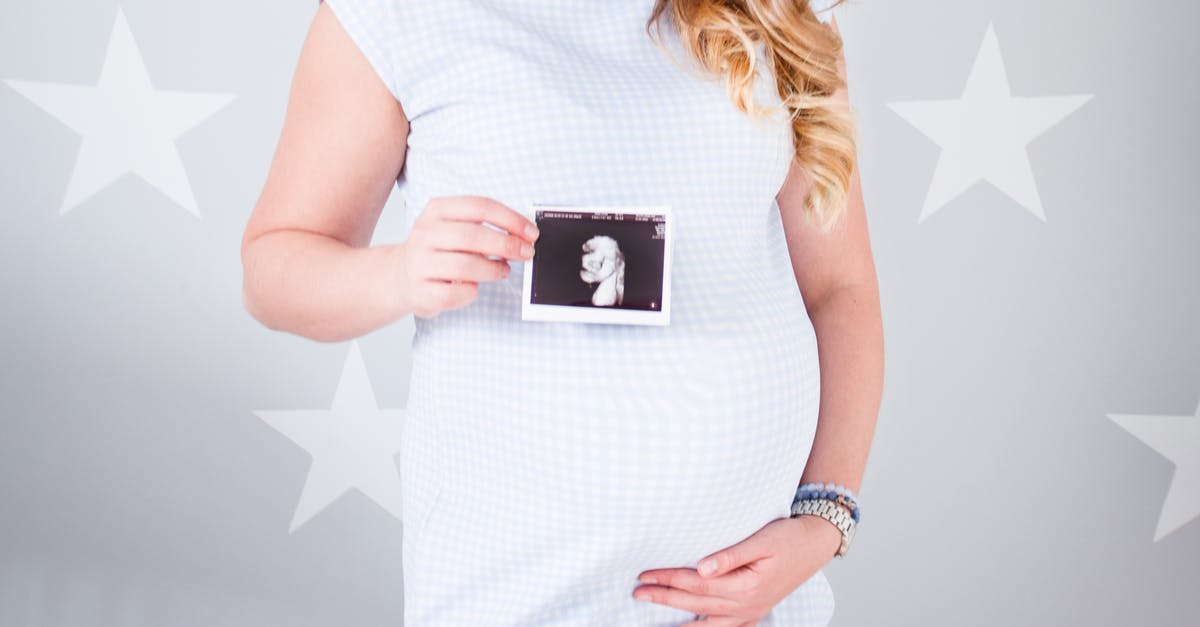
(1037, 459)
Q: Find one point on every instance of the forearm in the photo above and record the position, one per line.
(319, 287)
(849, 331)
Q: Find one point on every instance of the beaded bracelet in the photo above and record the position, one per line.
(832, 491)
(828, 490)
(850, 506)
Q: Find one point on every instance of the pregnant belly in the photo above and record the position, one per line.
(580, 473)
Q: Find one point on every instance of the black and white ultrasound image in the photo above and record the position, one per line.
(611, 260)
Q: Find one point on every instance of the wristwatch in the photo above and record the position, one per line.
(831, 511)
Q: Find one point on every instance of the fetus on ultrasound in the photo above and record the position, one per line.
(604, 264)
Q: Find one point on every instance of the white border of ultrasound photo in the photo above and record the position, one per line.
(612, 315)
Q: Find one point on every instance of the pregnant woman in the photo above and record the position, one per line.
(553, 472)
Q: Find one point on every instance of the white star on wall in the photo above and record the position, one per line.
(984, 134)
(1178, 439)
(126, 124)
(353, 444)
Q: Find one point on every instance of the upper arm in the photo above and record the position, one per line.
(825, 262)
(342, 145)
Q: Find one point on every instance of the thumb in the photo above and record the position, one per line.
(730, 558)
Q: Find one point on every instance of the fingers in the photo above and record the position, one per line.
(459, 266)
(451, 246)
(699, 604)
(719, 598)
(484, 209)
(444, 295)
(758, 545)
(719, 621)
(732, 584)
(477, 238)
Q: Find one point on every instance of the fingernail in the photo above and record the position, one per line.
(641, 596)
(648, 579)
(707, 567)
(531, 230)
(526, 250)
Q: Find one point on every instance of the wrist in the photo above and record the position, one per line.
(828, 509)
(824, 532)
(397, 291)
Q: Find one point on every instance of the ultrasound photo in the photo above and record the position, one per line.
(609, 264)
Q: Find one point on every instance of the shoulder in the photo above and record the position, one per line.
(402, 39)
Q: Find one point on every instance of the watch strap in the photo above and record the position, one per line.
(833, 512)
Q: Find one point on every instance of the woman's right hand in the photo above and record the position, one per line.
(446, 254)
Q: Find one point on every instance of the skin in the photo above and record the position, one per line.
(308, 269)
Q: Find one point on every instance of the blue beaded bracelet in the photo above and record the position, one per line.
(827, 490)
(840, 499)
(831, 491)
(840, 489)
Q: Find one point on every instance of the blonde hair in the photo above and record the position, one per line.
(804, 53)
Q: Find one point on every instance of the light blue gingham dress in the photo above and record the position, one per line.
(546, 464)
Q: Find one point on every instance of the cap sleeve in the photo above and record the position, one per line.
(384, 30)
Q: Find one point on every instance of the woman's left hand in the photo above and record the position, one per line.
(751, 577)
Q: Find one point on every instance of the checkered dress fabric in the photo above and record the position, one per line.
(546, 464)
